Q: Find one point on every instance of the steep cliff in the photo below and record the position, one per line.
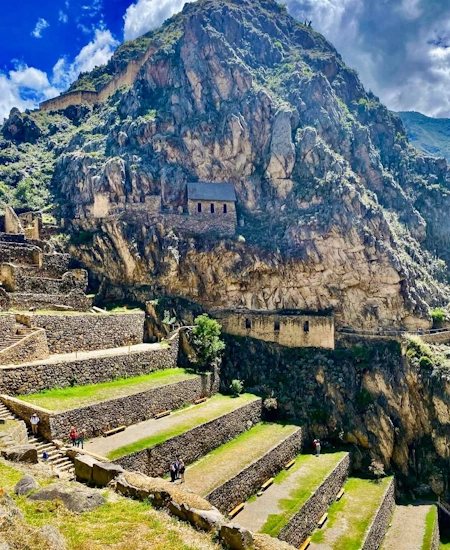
(335, 208)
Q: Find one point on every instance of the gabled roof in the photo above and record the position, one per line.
(205, 191)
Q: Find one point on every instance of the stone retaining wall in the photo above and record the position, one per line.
(68, 333)
(305, 520)
(123, 411)
(7, 323)
(16, 430)
(30, 348)
(55, 265)
(245, 484)
(23, 379)
(19, 253)
(24, 411)
(194, 443)
(24, 301)
(380, 523)
(20, 279)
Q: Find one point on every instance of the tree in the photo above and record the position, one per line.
(236, 387)
(206, 341)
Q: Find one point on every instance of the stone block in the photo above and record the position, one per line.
(104, 472)
(84, 466)
(26, 485)
(75, 499)
(235, 537)
(21, 453)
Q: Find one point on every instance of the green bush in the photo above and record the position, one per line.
(438, 315)
(236, 387)
(426, 363)
(206, 341)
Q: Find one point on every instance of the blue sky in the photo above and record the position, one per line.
(401, 48)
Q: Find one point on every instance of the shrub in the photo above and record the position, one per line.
(376, 468)
(206, 342)
(236, 387)
(438, 315)
(426, 362)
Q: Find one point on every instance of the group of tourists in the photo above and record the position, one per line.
(77, 438)
(177, 469)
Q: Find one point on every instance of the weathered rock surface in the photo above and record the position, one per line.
(21, 453)
(75, 499)
(26, 485)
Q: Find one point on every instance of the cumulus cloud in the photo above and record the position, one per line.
(146, 15)
(400, 48)
(63, 17)
(40, 26)
(94, 54)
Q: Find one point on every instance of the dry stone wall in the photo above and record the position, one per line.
(30, 348)
(7, 323)
(194, 443)
(24, 379)
(305, 520)
(122, 411)
(24, 301)
(377, 530)
(20, 253)
(55, 265)
(248, 481)
(68, 333)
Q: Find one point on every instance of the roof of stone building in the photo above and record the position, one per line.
(205, 191)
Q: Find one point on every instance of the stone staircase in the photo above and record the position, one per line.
(20, 332)
(57, 459)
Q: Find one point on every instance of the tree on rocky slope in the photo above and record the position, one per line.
(207, 343)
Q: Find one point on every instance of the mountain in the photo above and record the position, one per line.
(335, 208)
(430, 135)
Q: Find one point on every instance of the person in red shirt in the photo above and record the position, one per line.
(73, 436)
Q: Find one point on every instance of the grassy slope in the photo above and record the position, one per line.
(431, 135)
(228, 460)
(188, 419)
(300, 494)
(355, 511)
(62, 399)
(120, 523)
(429, 528)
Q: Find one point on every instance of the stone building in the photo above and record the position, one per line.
(291, 328)
(212, 200)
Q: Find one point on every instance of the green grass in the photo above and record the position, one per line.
(430, 521)
(188, 419)
(300, 494)
(444, 543)
(61, 399)
(120, 523)
(358, 506)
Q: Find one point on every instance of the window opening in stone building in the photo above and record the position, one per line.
(199, 207)
(276, 326)
(212, 208)
(306, 326)
(248, 323)
(224, 208)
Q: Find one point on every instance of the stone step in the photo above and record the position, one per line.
(354, 514)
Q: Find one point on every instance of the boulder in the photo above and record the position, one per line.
(236, 537)
(104, 472)
(26, 485)
(84, 468)
(53, 537)
(75, 499)
(21, 453)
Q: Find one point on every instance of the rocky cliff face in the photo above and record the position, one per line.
(335, 209)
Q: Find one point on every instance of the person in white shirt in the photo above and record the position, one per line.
(34, 423)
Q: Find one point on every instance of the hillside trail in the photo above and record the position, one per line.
(407, 528)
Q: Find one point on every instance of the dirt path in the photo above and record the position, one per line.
(225, 462)
(407, 528)
(68, 357)
(256, 513)
(195, 415)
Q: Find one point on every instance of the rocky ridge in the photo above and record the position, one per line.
(335, 208)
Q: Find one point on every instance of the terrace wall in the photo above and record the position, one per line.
(380, 523)
(194, 443)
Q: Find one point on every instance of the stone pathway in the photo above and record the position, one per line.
(228, 460)
(407, 528)
(69, 357)
(256, 513)
(194, 415)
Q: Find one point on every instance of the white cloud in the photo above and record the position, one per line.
(63, 17)
(146, 15)
(94, 54)
(40, 26)
(10, 97)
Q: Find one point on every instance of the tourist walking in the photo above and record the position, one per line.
(73, 436)
(317, 446)
(173, 472)
(177, 467)
(80, 439)
(181, 469)
(34, 420)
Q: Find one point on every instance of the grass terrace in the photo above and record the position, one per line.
(63, 399)
(184, 420)
(313, 471)
(430, 521)
(226, 461)
(120, 523)
(349, 518)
